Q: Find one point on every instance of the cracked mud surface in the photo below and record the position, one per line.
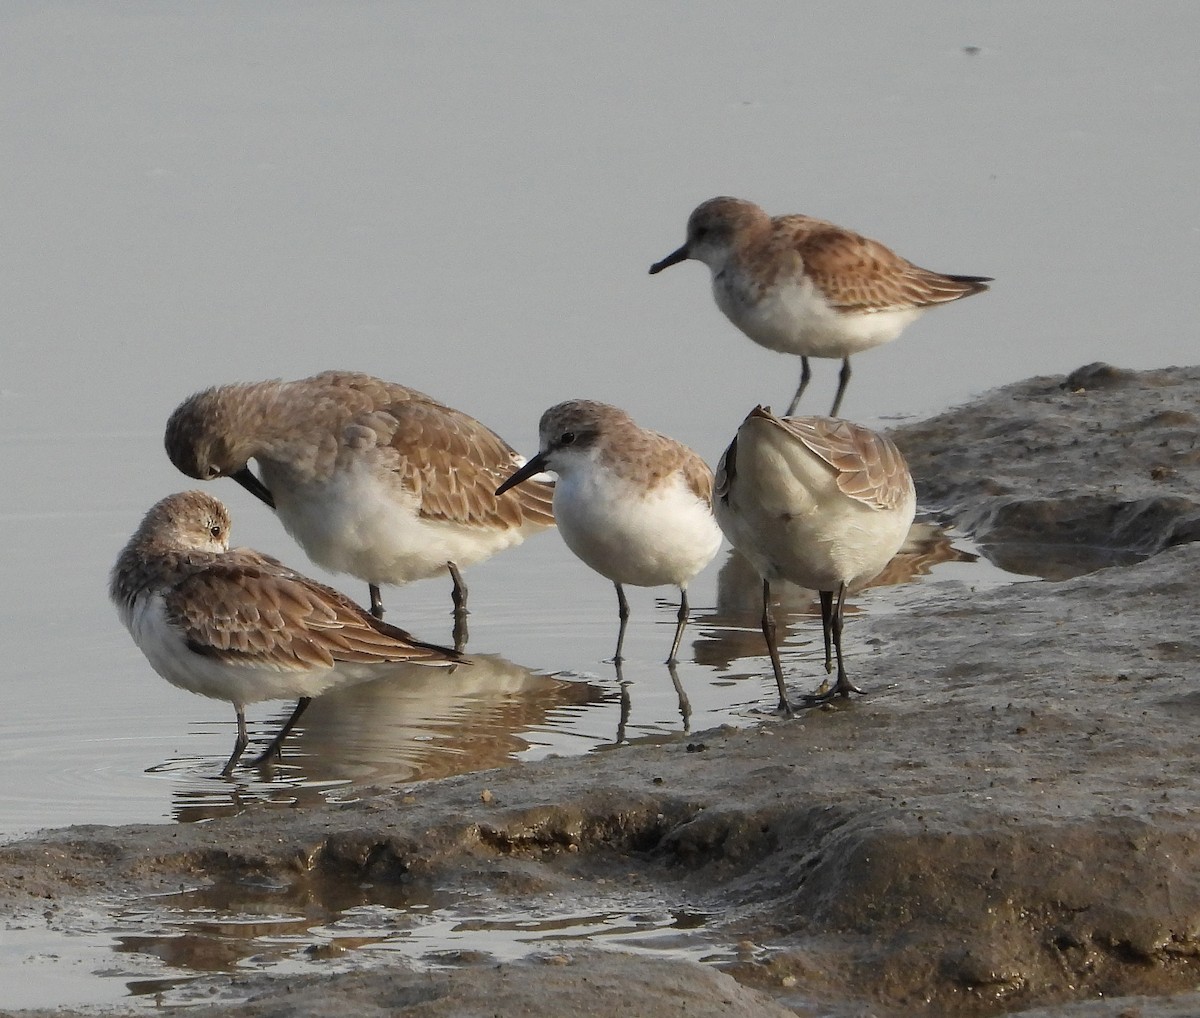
(1007, 824)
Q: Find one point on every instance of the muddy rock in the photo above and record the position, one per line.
(1104, 463)
(1005, 825)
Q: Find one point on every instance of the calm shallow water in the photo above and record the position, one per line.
(142, 750)
(160, 952)
(193, 209)
(415, 724)
(466, 199)
(128, 747)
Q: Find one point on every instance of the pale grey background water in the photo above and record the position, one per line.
(466, 198)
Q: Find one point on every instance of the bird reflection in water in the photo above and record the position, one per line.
(400, 727)
(733, 631)
(220, 925)
(685, 705)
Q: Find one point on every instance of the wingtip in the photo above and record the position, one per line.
(973, 284)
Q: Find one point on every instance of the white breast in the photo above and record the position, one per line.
(793, 317)
(629, 536)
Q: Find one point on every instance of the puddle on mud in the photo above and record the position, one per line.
(429, 725)
(160, 952)
(1049, 561)
(415, 724)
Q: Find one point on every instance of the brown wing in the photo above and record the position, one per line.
(698, 476)
(869, 466)
(654, 459)
(859, 274)
(246, 608)
(373, 392)
(454, 465)
(447, 458)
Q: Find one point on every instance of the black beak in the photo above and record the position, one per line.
(674, 258)
(252, 484)
(534, 466)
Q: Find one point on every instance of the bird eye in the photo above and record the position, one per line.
(215, 530)
(568, 438)
(211, 471)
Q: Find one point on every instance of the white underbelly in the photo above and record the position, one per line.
(170, 656)
(370, 528)
(820, 553)
(665, 539)
(787, 515)
(795, 319)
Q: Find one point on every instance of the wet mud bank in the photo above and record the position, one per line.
(1006, 824)
(1096, 468)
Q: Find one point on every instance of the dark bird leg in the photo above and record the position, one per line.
(275, 749)
(623, 615)
(843, 378)
(240, 745)
(827, 626)
(805, 378)
(768, 630)
(681, 621)
(376, 602)
(459, 596)
(843, 687)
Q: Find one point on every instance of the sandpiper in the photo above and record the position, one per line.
(631, 503)
(821, 502)
(803, 286)
(372, 478)
(240, 626)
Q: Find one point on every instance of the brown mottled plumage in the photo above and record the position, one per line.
(372, 478)
(806, 286)
(239, 625)
(867, 465)
(855, 273)
(646, 458)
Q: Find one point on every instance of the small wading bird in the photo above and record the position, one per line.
(371, 478)
(821, 502)
(634, 505)
(240, 626)
(803, 286)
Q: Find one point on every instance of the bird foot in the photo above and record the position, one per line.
(826, 695)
